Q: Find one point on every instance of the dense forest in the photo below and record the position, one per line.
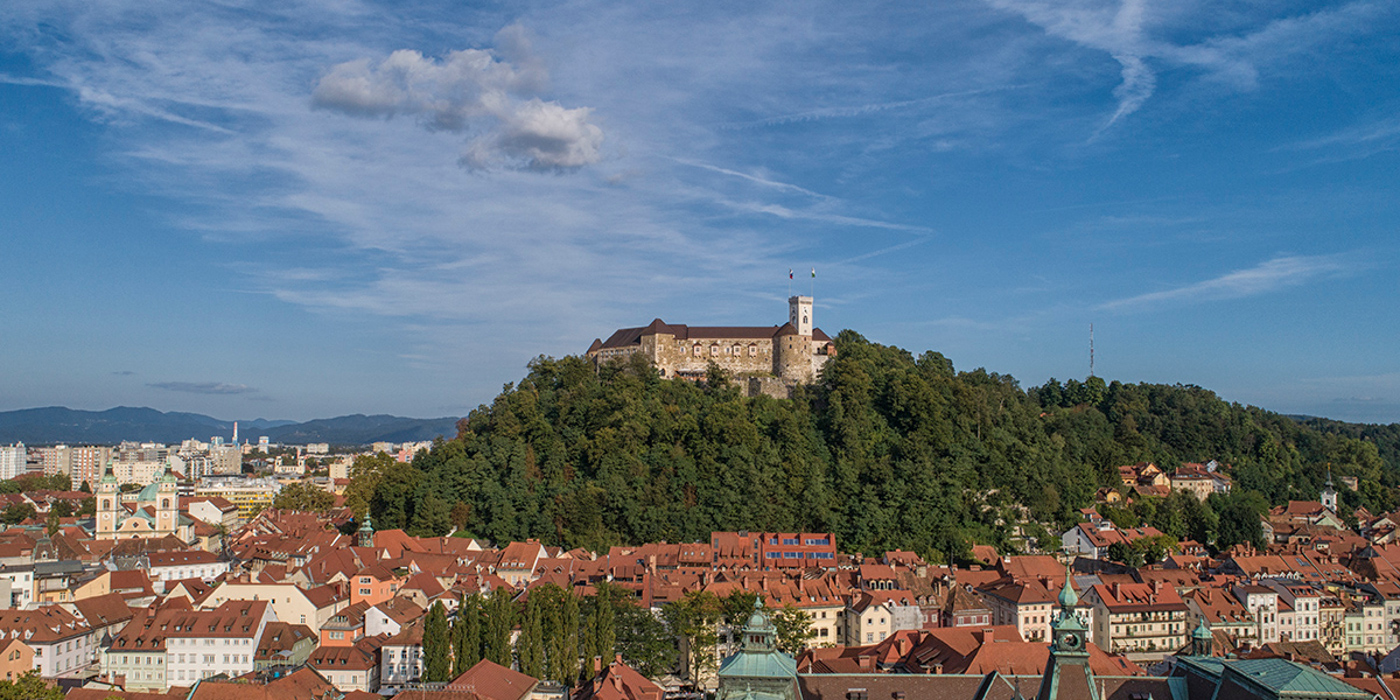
(887, 450)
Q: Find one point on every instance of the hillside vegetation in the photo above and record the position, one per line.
(888, 451)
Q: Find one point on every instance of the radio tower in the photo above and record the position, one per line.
(1091, 349)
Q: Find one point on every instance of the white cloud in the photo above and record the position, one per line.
(1269, 276)
(471, 91)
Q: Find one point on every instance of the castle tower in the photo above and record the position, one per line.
(792, 346)
(167, 503)
(1329, 494)
(1067, 672)
(800, 315)
(108, 495)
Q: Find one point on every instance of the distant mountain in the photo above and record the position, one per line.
(56, 424)
(360, 429)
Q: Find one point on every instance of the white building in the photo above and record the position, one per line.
(174, 566)
(206, 643)
(14, 460)
(62, 643)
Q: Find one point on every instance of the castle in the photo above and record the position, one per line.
(771, 357)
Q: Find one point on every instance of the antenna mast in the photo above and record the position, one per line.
(1091, 349)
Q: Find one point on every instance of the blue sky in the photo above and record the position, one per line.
(309, 208)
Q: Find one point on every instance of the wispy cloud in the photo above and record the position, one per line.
(1145, 39)
(774, 184)
(1269, 276)
(123, 373)
(211, 388)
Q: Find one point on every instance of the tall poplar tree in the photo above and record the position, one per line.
(552, 625)
(568, 615)
(436, 646)
(466, 629)
(500, 619)
(529, 646)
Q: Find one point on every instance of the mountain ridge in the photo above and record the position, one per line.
(60, 424)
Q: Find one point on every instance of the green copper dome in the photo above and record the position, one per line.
(1201, 631)
(1068, 598)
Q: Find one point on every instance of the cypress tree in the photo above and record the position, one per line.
(436, 664)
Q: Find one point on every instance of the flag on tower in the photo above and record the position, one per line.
(789, 273)
(814, 273)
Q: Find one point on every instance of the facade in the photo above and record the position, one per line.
(14, 460)
(793, 352)
(289, 602)
(251, 496)
(1028, 606)
(157, 511)
(61, 643)
(1136, 617)
(204, 643)
(175, 566)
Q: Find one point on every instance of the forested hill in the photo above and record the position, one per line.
(888, 450)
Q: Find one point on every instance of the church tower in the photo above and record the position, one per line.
(366, 533)
(108, 497)
(1067, 672)
(1201, 639)
(1329, 494)
(167, 504)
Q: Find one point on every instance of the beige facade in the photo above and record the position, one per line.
(794, 351)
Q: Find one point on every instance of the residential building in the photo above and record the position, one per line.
(1134, 617)
(204, 643)
(62, 644)
(1028, 606)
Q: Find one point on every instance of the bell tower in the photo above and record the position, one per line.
(1067, 672)
(1329, 494)
(167, 503)
(107, 504)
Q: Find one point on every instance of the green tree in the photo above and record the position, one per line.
(16, 513)
(499, 615)
(695, 619)
(437, 664)
(529, 646)
(794, 627)
(64, 509)
(431, 518)
(303, 496)
(568, 650)
(466, 650)
(29, 687)
(604, 625)
(644, 641)
(366, 473)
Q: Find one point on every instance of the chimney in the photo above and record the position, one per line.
(597, 665)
